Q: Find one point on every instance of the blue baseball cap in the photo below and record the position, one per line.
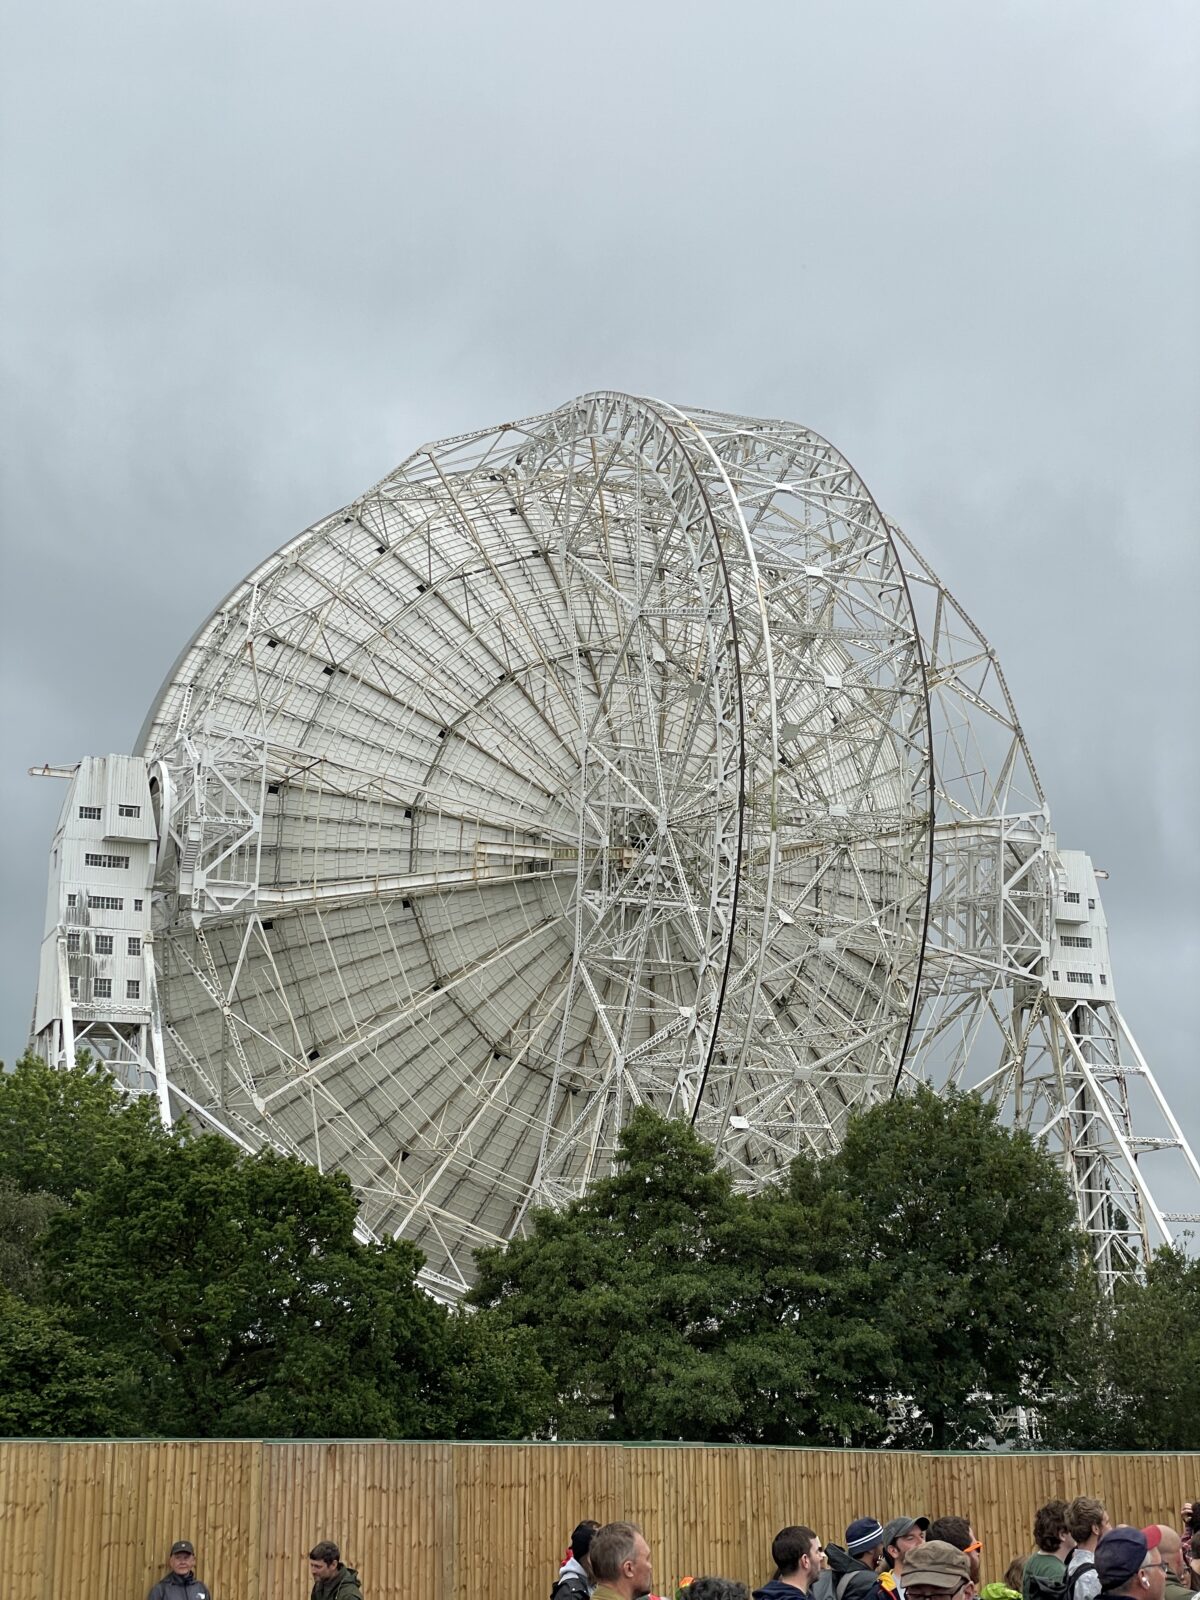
(1121, 1552)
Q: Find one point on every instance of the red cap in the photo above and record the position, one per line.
(1152, 1535)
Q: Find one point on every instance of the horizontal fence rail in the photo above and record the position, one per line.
(490, 1521)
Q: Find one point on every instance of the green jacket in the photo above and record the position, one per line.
(1174, 1589)
(1042, 1564)
(344, 1585)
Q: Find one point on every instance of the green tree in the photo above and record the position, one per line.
(1081, 1407)
(1133, 1382)
(51, 1384)
(177, 1286)
(666, 1306)
(975, 1229)
(24, 1218)
(1155, 1355)
(59, 1130)
(234, 1286)
(812, 1314)
(494, 1384)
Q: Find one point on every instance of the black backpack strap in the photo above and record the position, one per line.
(1073, 1575)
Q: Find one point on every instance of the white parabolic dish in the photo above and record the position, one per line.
(618, 755)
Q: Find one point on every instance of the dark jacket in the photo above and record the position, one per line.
(572, 1582)
(173, 1587)
(344, 1585)
(848, 1578)
(777, 1590)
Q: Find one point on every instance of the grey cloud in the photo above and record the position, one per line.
(256, 255)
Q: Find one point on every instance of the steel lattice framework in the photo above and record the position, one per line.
(620, 755)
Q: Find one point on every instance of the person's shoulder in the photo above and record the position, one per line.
(570, 1583)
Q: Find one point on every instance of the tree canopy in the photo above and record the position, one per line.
(166, 1283)
(910, 1289)
(975, 1229)
(665, 1305)
(1130, 1381)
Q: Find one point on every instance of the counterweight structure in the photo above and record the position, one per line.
(618, 755)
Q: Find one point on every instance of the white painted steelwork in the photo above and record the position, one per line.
(617, 755)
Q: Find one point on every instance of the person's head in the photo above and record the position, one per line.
(958, 1532)
(864, 1541)
(182, 1557)
(1050, 1528)
(901, 1536)
(324, 1559)
(797, 1555)
(938, 1571)
(1129, 1562)
(708, 1588)
(1171, 1546)
(620, 1558)
(581, 1541)
(1087, 1520)
(1015, 1573)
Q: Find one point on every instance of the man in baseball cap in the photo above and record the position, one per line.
(901, 1536)
(181, 1582)
(1129, 1562)
(937, 1570)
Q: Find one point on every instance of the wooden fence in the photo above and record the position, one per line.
(489, 1522)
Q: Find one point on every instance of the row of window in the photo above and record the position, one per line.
(1076, 941)
(103, 902)
(102, 989)
(1072, 899)
(1083, 977)
(91, 859)
(102, 943)
(92, 813)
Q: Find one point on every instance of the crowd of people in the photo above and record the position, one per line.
(1078, 1554)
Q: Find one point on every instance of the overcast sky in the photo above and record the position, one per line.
(256, 253)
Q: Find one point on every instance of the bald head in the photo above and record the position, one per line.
(1171, 1546)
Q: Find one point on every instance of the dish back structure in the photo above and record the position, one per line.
(619, 755)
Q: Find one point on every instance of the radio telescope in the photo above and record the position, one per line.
(619, 755)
